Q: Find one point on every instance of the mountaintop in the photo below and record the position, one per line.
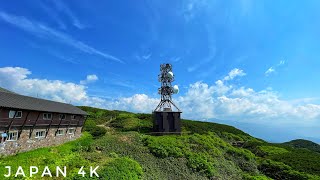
(121, 144)
(301, 143)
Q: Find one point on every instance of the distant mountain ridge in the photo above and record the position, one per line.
(270, 133)
(302, 143)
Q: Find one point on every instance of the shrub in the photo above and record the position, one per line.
(207, 154)
(165, 146)
(272, 150)
(255, 177)
(132, 122)
(279, 170)
(97, 131)
(83, 145)
(122, 168)
(89, 124)
(202, 162)
(205, 127)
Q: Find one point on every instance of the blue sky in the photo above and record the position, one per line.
(238, 61)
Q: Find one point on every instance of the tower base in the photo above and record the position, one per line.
(166, 122)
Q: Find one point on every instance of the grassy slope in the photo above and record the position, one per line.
(301, 143)
(123, 148)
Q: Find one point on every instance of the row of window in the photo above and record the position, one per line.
(13, 135)
(45, 116)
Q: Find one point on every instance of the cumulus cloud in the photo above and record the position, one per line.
(136, 103)
(224, 100)
(90, 78)
(17, 79)
(234, 73)
(221, 100)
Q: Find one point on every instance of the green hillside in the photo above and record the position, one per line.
(121, 144)
(301, 143)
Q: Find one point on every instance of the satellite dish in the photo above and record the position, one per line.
(170, 74)
(175, 89)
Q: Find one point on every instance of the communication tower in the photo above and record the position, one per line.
(167, 115)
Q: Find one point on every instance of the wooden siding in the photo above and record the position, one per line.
(35, 119)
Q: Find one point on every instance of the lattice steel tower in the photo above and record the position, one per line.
(167, 119)
(166, 90)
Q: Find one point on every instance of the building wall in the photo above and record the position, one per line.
(31, 118)
(24, 143)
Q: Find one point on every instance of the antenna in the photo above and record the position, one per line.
(166, 115)
(166, 77)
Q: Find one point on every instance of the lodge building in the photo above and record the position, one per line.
(28, 123)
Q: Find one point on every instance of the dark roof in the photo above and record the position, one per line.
(9, 99)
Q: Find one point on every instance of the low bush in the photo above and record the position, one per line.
(204, 153)
(279, 170)
(272, 150)
(122, 168)
(91, 127)
(97, 131)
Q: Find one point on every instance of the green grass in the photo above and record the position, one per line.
(207, 154)
(124, 149)
(130, 144)
(272, 150)
(122, 168)
(204, 127)
(68, 154)
(301, 143)
(205, 148)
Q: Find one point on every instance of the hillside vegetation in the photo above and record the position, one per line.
(301, 143)
(121, 144)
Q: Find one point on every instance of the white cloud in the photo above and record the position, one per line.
(281, 62)
(52, 13)
(234, 73)
(269, 71)
(135, 103)
(227, 101)
(17, 80)
(222, 100)
(272, 70)
(90, 79)
(143, 58)
(66, 10)
(42, 31)
(146, 57)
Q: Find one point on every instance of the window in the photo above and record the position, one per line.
(70, 131)
(60, 132)
(12, 136)
(12, 113)
(73, 117)
(47, 116)
(40, 134)
(62, 116)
